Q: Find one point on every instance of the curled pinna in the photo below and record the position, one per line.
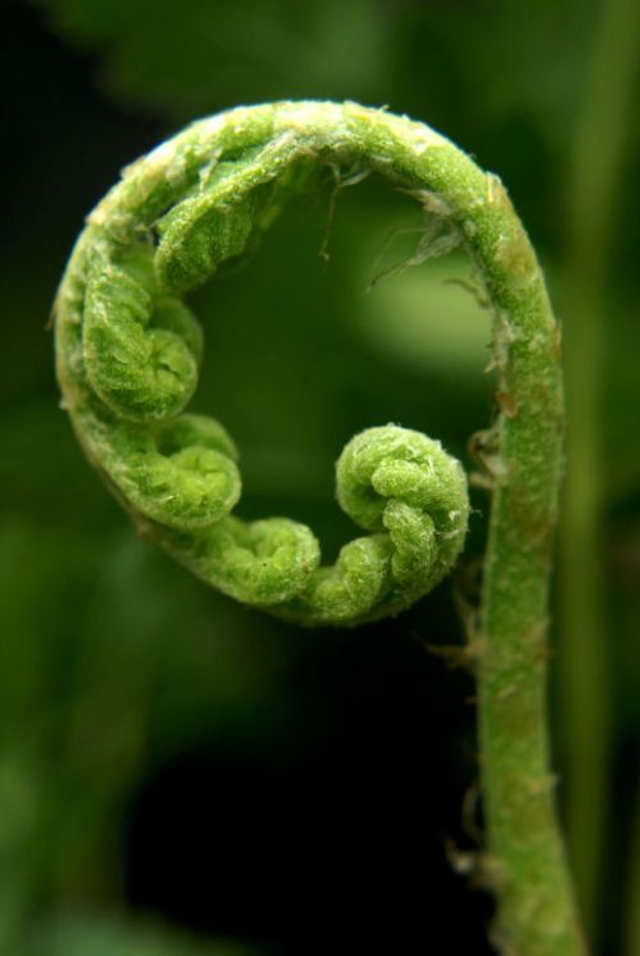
(396, 483)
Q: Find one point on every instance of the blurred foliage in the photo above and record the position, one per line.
(207, 54)
(97, 937)
(114, 663)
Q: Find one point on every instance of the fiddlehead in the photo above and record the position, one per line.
(127, 359)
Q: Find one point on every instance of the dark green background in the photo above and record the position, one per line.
(177, 771)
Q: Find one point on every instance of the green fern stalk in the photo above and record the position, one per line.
(128, 351)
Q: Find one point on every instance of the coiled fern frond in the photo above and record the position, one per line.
(129, 350)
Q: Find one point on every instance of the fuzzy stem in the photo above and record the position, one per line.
(526, 862)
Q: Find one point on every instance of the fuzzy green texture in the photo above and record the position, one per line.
(127, 355)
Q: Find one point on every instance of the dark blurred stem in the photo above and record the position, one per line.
(631, 925)
(585, 692)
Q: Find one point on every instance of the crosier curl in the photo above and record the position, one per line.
(128, 353)
(128, 356)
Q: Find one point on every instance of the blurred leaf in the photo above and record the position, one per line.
(207, 54)
(86, 936)
(198, 56)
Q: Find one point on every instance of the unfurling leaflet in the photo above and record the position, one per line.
(129, 351)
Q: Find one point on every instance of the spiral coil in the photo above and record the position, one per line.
(128, 356)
